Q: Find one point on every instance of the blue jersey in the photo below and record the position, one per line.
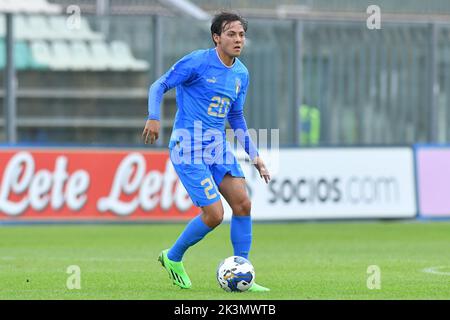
(207, 93)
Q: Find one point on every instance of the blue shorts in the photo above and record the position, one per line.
(202, 180)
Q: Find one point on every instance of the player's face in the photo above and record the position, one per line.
(232, 40)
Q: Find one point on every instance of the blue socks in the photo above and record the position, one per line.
(241, 235)
(195, 231)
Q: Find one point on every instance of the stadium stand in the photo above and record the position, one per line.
(101, 55)
(40, 28)
(60, 29)
(41, 54)
(124, 59)
(62, 59)
(83, 59)
(70, 76)
(69, 45)
(101, 93)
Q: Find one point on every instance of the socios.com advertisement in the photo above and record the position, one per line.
(333, 183)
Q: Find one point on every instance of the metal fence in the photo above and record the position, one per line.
(388, 86)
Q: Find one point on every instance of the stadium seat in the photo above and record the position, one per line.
(102, 55)
(124, 59)
(20, 25)
(39, 27)
(62, 29)
(22, 30)
(62, 58)
(22, 55)
(41, 54)
(59, 28)
(85, 31)
(83, 58)
(35, 65)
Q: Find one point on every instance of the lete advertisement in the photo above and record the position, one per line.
(74, 185)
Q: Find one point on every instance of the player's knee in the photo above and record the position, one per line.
(217, 218)
(242, 207)
(214, 218)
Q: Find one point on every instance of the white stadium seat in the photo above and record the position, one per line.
(39, 27)
(22, 30)
(124, 58)
(102, 55)
(61, 29)
(57, 45)
(41, 52)
(62, 59)
(83, 57)
(85, 31)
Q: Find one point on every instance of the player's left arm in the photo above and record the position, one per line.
(236, 119)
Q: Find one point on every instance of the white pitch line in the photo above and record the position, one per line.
(434, 270)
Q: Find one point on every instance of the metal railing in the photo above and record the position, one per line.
(388, 86)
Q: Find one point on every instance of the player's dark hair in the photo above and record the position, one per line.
(222, 19)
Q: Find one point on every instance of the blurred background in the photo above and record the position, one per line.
(82, 68)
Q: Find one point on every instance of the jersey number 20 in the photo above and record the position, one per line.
(219, 107)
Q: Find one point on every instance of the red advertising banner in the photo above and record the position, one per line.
(83, 184)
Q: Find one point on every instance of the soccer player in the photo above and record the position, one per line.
(211, 85)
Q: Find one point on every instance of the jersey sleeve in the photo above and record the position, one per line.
(237, 122)
(184, 71)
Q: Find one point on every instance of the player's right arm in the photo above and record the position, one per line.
(182, 72)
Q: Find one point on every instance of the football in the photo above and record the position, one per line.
(235, 274)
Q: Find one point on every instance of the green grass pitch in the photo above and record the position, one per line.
(296, 260)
